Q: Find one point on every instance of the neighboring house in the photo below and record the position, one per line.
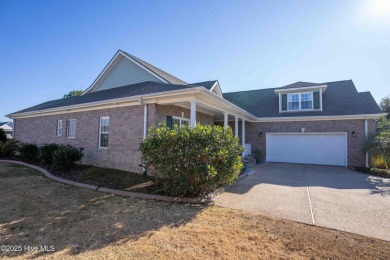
(303, 122)
(8, 128)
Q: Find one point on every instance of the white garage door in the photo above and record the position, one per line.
(308, 148)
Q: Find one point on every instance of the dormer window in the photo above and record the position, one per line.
(300, 101)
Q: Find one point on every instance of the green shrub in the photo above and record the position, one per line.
(3, 136)
(47, 153)
(66, 156)
(379, 145)
(192, 161)
(257, 155)
(29, 152)
(9, 149)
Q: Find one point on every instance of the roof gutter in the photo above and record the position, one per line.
(320, 118)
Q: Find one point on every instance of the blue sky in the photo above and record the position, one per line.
(48, 48)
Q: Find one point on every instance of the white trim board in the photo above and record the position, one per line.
(291, 90)
(218, 89)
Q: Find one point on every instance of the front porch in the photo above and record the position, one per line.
(192, 110)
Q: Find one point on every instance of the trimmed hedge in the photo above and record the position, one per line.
(66, 156)
(9, 148)
(61, 157)
(192, 161)
(47, 153)
(29, 152)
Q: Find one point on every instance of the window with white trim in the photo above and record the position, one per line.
(104, 131)
(59, 127)
(71, 128)
(300, 101)
(180, 121)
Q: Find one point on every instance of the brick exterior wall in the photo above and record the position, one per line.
(126, 132)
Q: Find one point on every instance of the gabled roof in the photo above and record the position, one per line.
(143, 88)
(206, 84)
(341, 98)
(158, 74)
(165, 75)
(213, 86)
(4, 123)
(300, 84)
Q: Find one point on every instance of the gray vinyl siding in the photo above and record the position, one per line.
(125, 72)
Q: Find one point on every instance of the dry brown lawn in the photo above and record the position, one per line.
(83, 224)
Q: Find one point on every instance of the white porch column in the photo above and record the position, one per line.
(193, 113)
(236, 125)
(145, 121)
(243, 135)
(225, 120)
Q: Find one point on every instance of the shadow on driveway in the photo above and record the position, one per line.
(299, 175)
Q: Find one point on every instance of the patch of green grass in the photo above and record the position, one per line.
(103, 177)
(374, 171)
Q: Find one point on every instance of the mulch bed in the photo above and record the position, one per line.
(374, 171)
(103, 177)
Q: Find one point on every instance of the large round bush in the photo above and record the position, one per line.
(192, 161)
(65, 157)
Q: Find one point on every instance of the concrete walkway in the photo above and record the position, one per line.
(327, 196)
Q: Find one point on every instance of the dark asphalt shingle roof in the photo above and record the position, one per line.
(206, 84)
(340, 98)
(165, 75)
(300, 84)
(142, 88)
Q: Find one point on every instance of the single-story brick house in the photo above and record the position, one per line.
(304, 122)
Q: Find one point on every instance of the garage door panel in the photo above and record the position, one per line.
(326, 149)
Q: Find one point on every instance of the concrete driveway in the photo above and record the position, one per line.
(327, 196)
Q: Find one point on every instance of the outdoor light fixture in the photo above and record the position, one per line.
(260, 134)
(353, 134)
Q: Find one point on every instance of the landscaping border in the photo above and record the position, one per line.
(199, 200)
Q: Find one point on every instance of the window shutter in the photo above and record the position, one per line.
(316, 100)
(169, 122)
(284, 102)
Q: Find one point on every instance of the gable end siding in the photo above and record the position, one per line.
(125, 72)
